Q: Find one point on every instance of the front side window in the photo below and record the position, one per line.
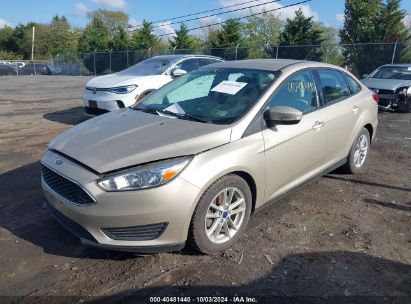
(333, 85)
(298, 91)
(215, 95)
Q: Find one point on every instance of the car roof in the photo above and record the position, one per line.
(397, 65)
(181, 56)
(258, 64)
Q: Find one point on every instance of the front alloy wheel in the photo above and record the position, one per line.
(225, 215)
(221, 215)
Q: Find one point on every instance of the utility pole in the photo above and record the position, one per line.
(32, 44)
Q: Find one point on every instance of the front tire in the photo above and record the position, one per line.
(221, 215)
(358, 153)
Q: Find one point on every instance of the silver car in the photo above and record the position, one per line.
(193, 160)
(392, 83)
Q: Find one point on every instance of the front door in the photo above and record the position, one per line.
(294, 152)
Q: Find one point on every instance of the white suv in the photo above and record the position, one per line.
(123, 89)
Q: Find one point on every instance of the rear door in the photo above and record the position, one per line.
(294, 152)
(340, 112)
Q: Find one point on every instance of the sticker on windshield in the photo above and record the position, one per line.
(229, 87)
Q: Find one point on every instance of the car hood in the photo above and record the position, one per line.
(115, 80)
(128, 137)
(385, 84)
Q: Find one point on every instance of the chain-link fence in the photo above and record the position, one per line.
(360, 58)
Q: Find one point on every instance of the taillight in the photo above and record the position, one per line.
(375, 97)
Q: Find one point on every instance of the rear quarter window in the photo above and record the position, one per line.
(355, 87)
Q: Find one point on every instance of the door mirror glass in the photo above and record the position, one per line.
(284, 115)
(178, 72)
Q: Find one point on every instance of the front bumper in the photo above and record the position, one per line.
(172, 203)
(106, 101)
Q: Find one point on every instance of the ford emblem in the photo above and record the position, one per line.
(58, 162)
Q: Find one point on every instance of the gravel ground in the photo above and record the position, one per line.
(338, 236)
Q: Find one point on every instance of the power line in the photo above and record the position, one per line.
(212, 15)
(239, 18)
(199, 13)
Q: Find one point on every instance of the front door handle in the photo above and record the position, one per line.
(318, 125)
(355, 109)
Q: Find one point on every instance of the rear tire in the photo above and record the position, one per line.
(357, 157)
(221, 215)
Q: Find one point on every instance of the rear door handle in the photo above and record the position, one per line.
(355, 109)
(318, 125)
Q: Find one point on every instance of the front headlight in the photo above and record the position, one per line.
(144, 177)
(123, 90)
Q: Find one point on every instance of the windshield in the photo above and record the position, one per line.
(152, 66)
(219, 95)
(392, 72)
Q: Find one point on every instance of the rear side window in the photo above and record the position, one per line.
(354, 85)
(205, 61)
(333, 85)
(298, 91)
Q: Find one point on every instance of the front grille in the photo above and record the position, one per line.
(95, 111)
(69, 224)
(96, 89)
(136, 233)
(65, 188)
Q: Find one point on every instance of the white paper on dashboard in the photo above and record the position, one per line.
(229, 87)
(175, 108)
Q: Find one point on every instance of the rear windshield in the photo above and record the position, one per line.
(392, 72)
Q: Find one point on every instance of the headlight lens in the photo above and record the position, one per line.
(144, 177)
(123, 90)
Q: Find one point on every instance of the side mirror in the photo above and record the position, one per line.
(178, 72)
(365, 76)
(283, 115)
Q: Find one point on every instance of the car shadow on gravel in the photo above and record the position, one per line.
(356, 181)
(313, 277)
(71, 116)
(22, 214)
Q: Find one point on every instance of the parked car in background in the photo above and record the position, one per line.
(392, 83)
(7, 69)
(195, 158)
(125, 88)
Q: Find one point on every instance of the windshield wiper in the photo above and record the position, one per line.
(147, 110)
(184, 116)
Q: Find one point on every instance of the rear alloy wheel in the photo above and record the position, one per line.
(221, 215)
(358, 153)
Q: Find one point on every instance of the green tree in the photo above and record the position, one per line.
(331, 51)
(228, 37)
(372, 21)
(112, 20)
(261, 31)
(7, 42)
(182, 40)
(300, 30)
(120, 41)
(144, 38)
(95, 37)
(61, 38)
